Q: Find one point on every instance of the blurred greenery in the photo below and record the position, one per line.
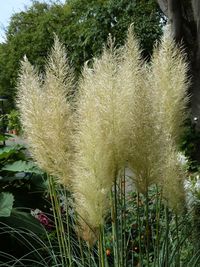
(13, 120)
(190, 144)
(22, 187)
(82, 25)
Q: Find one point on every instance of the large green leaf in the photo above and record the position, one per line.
(6, 204)
(7, 151)
(20, 219)
(22, 166)
(14, 177)
(4, 137)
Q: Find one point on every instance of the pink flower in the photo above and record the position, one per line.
(43, 219)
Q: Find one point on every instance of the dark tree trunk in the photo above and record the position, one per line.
(184, 18)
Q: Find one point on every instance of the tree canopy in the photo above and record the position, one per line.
(82, 25)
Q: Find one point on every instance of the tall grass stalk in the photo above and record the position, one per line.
(158, 226)
(114, 224)
(166, 250)
(122, 192)
(178, 241)
(64, 246)
(81, 250)
(147, 225)
(68, 228)
(101, 247)
(140, 227)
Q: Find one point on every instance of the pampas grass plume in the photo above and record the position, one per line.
(144, 149)
(170, 86)
(169, 83)
(46, 114)
(102, 136)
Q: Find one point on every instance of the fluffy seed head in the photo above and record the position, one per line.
(172, 180)
(102, 136)
(143, 149)
(169, 84)
(47, 115)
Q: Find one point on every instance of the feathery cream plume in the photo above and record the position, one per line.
(144, 148)
(46, 114)
(169, 83)
(102, 135)
(157, 114)
(170, 86)
(172, 180)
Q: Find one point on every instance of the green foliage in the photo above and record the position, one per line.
(13, 120)
(168, 235)
(190, 145)
(17, 172)
(25, 220)
(22, 166)
(83, 26)
(22, 188)
(11, 153)
(6, 204)
(149, 233)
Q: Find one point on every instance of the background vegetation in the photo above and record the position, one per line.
(83, 27)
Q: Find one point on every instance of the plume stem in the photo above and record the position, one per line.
(101, 247)
(147, 225)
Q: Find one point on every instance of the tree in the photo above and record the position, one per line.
(83, 26)
(26, 34)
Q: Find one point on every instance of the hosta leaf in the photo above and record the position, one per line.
(22, 166)
(6, 204)
(7, 151)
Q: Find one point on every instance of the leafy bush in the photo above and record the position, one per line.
(13, 121)
(22, 188)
